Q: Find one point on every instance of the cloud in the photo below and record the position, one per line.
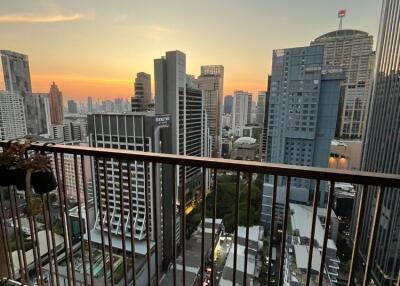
(30, 18)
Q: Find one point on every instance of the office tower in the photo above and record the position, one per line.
(56, 105)
(142, 96)
(228, 104)
(211, 82)
(351, 50)
(90, 105)
(265, 123)
(303, 105)
(241, 111)
(72, 106)
(262, 96)
(37, 112)
(381, 151)
(179, 96)
(131, 131)
(15, 70)
(12, 116)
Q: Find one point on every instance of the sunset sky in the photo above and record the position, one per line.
(95, 48)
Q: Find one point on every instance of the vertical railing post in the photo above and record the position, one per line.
(284, 231)
(236, 227)
(272, 227)
(374, 233)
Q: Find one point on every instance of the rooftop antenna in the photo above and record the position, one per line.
(341, 14)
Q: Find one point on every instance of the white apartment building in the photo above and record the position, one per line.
(241, 111)
(12, 116)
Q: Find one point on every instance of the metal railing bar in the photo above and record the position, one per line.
(36, 259)
(272, 227)
(132, 223)
(101, 219)
(374, 233)
(348, 176)
(50, 247)
(214, 214)
(53, 242)
(67, 221)
(81, 231)
(312, 234)
(60, 189)
(183, 218)
(9, 260)
(357, 235)
(122, 203)
(89, 236)
(174, 223)
(35, 227)
(284, 231)
(326, 231)
(17, 237)
(146, 200)
(203, 215)
(21, 236)
(155, 221)
(246, 253)
(109, 227)
(236, 227)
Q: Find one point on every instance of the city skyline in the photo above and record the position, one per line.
(81, 70)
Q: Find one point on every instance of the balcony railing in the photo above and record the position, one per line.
(63, 250)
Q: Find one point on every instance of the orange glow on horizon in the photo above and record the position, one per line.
(79, 87)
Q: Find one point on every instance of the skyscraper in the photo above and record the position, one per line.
(262, 96)
(241, 111)
(351, 50)
(303, 105)
(137, 131)
(56, 105)
(72, 106)
(142, 96)
(179, 96)
(15, 70)
(12, 116)
(37, 112)
(90, 104)
(211, 82)
(228, 103)
(265, 123)
(381, 151)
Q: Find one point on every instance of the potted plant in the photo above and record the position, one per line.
(39, 177)
(10, 174)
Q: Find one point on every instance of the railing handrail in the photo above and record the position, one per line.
(315, 173)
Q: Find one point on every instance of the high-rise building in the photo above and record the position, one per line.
(211, 82)
(72, 106)
(381, 151)
(352, 51)
(262, 96)
(265, 123)
(179, 96)
(137, 131)
(37, 111)
(241, 111)
(90, 105)
(303, 105)
(56, 105)
(142, 95)
(15, 70)
(228, 104)
(12, 116)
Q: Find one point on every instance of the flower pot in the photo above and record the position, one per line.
(10, 177)
(20, 182)
(43, 182)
